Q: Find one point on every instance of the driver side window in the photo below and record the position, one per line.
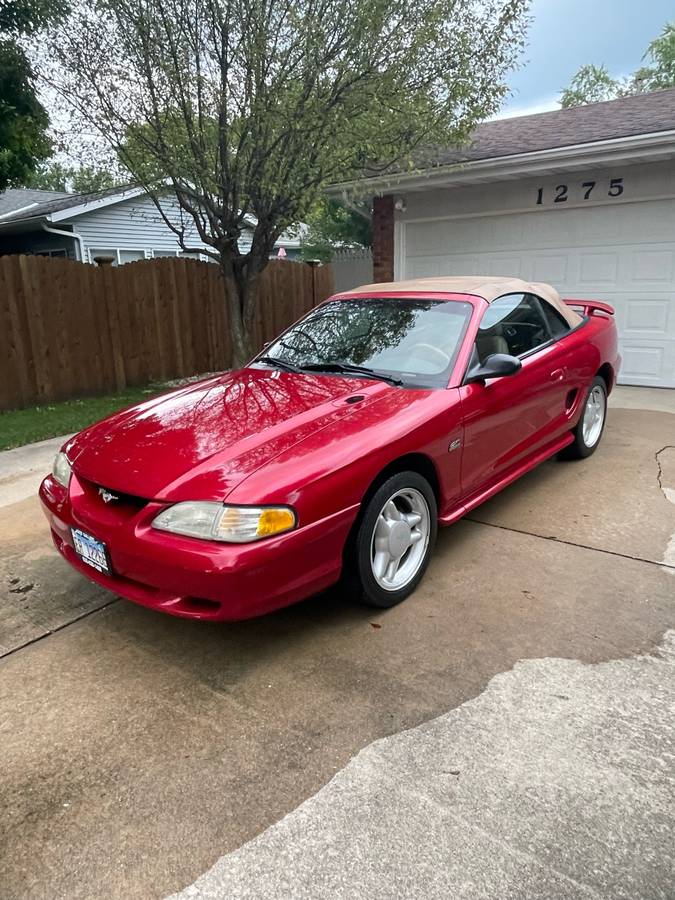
(513, 324)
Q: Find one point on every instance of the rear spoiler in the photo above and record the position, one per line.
(590, 307)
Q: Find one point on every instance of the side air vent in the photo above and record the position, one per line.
(571, 397)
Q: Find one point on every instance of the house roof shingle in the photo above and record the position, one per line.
(55, 202)
(611, 119)
(14, 199)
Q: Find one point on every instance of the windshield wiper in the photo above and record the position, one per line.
(338, 367)
(349, 369)
(279, 363)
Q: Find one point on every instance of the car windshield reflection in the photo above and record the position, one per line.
(408, 341)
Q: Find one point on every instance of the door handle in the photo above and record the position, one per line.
(557, 374)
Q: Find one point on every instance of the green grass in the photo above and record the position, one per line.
(37, 423)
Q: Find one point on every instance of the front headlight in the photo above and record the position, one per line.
(61, 469)
(233, 524)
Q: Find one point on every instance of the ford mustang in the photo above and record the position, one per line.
(337, 452)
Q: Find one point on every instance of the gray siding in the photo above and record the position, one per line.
(132, 228)
(135, 224)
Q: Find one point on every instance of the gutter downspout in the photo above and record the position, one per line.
(70, 234)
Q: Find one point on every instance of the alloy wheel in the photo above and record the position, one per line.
(400, 539)
(594, 416)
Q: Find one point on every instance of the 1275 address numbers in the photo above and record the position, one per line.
(585, 190)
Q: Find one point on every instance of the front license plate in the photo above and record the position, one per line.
(91, 551)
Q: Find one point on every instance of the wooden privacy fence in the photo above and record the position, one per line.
(69, 329)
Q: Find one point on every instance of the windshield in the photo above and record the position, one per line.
(416, 341)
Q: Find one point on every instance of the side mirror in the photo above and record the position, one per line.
(497, 365)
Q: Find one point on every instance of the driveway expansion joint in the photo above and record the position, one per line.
(4, 654)
(558, 540)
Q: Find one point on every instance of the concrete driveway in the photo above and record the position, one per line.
(508, 731)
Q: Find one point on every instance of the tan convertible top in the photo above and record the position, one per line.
(485, 286)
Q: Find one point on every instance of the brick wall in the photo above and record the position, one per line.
(383, 239)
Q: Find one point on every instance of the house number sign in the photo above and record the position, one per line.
(584, 190)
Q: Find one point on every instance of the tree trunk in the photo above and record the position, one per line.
(240, 297)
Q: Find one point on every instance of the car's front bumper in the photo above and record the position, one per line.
(192, 578)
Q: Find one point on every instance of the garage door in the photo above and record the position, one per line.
(624, 255)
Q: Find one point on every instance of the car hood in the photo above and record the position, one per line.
(200, 441)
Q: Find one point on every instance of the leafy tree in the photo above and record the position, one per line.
(23, 119)
(87, 179)
(334, 224)
(83, 179)
(49, 177)
(592, 84)
(247, 108)
(29, 16)
(661, 73)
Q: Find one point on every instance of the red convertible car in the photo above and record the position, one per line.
(384, 412)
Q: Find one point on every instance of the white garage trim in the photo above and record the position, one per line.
(584, 204)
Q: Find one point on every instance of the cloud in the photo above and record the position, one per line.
(545, 105)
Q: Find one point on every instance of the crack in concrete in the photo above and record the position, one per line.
(669, 493)
(659, 469)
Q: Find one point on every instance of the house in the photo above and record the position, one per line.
(583, 198)
(120, 223)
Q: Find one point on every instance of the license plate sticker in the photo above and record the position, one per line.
(91, 551)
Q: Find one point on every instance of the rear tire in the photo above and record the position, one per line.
(591, 424)
(395, 539)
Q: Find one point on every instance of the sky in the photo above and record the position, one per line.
(566, 34)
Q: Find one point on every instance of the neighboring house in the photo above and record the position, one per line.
(120, 223)
(583, 198)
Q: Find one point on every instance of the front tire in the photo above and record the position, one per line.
(395, 539)
(591, 424)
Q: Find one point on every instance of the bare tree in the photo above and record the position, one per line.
(244, 109)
